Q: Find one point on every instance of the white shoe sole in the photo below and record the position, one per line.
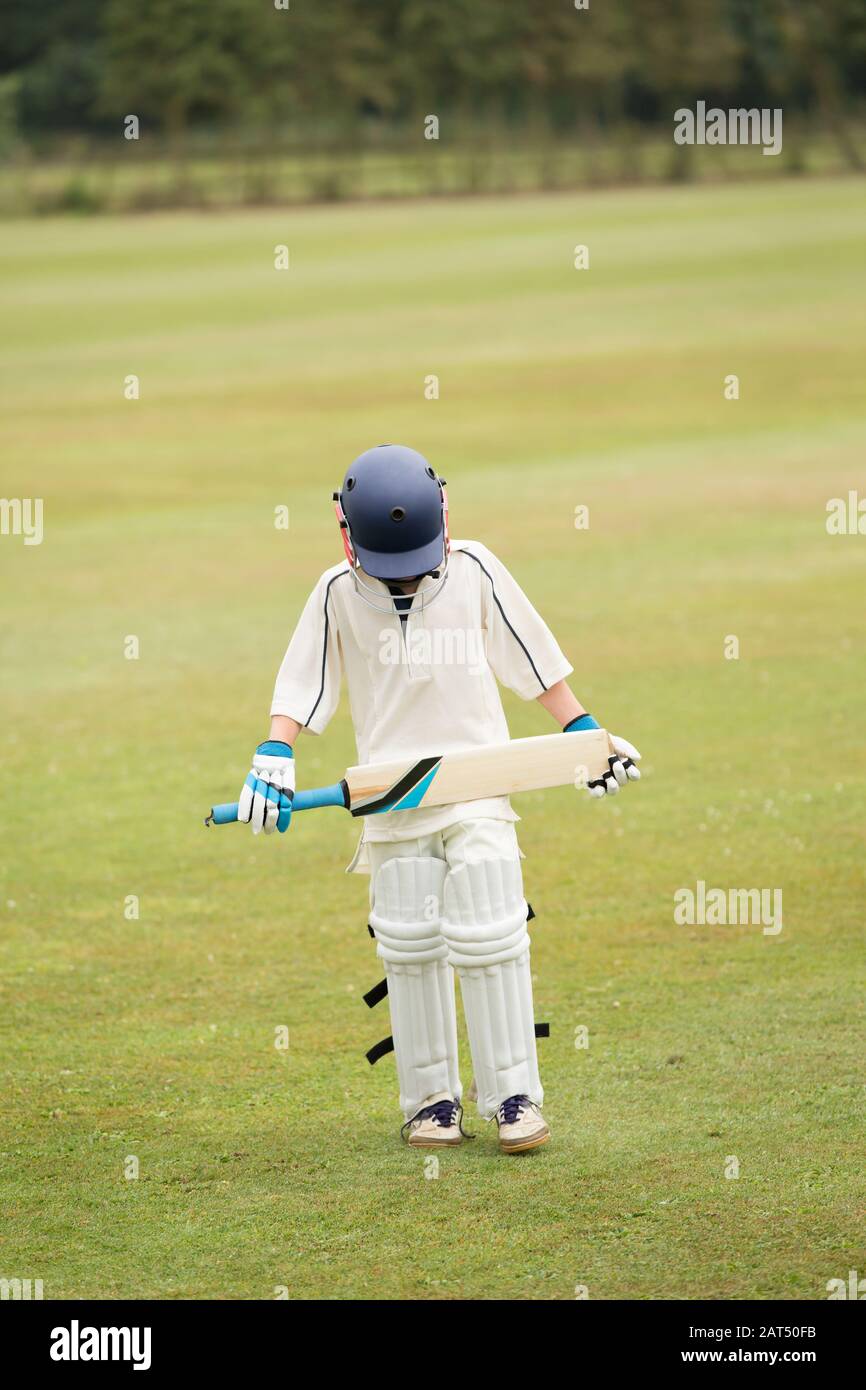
(434, 1143)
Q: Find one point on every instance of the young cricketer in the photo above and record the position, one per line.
(423, 628)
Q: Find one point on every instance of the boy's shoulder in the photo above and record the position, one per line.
(474, 550)
(326, 577)
(471, 547)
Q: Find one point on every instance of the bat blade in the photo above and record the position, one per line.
(524, 764)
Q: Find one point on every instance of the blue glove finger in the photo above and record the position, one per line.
(272, 808)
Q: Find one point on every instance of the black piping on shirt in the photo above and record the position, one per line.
(324, 647)
(521, 644)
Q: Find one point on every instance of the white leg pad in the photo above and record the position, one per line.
(406, 918)
(484, 925)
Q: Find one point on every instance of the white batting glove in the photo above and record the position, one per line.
(623, 766)
(265, 801)
(623, 769)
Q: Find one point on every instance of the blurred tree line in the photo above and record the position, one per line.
(250, 82)
(81, 65)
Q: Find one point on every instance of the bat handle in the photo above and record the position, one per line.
(335, 795)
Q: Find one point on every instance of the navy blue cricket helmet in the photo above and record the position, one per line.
(394, 513)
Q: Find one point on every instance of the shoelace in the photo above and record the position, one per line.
(511, 1109)
(445, 1113)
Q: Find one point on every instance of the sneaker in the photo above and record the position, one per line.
(436, 1125)
(521, 1125)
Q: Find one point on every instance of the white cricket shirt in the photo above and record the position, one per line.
(423, 686)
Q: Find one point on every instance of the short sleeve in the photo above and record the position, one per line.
(308, 682)
(522, 651)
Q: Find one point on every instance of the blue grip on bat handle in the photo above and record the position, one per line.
(334, 795)
(224, 814)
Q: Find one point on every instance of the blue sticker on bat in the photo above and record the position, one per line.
(416, 795)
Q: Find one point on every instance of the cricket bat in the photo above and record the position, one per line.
(523, 765)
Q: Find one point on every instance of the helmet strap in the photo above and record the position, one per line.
(345, 533)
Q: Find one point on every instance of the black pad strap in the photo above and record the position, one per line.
(370, 930)
(542, 1030)
(380, 1050)
(529, 912)
(375, 995)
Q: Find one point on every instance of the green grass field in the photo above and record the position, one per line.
(154, 1037)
